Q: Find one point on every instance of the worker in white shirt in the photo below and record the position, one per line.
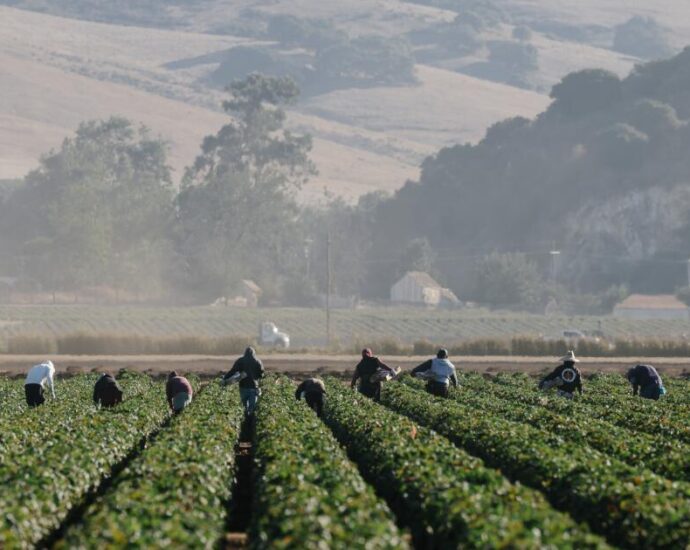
(35, 382)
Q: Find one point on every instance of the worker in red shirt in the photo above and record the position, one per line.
(178, 391)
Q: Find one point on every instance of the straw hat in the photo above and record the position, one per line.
(569, 358)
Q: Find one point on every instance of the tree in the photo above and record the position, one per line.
(508, 280)
(99, 199)
(642, 37)
(236, 213)
(417, 256)
(585, 92)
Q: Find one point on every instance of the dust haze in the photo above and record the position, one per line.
(466, 155)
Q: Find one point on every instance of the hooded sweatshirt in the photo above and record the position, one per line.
(251, 366)
(175, 385)
(643, 375)
(568, 387)
(107, 391)
(40, 374)
(310, 385)
(442, 371)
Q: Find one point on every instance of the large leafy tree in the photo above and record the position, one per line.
(94, 212)
(236, 212)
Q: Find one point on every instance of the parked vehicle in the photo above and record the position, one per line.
(269, 335)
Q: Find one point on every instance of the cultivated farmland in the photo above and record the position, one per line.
(307, 327)
(531, 470)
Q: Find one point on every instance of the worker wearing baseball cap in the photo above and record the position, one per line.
(439, 373)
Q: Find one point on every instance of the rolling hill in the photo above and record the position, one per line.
(61, 64)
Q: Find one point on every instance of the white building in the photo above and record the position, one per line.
(644, 306)
(419, 288)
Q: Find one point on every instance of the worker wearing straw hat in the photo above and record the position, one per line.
(566, 377)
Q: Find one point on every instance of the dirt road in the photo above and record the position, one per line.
(310, 364)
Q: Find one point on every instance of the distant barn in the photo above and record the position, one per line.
(659, 306)
(420, 288)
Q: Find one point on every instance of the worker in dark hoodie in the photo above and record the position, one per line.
(250, 369)
(107, 392)
(178, 391)
(367, 373)
(313, 391)
(566, 377)
(646, 380)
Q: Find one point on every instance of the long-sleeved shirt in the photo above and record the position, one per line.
(367, 368)
(442, 371)
(175, 385)
(643, 375)
(40, 374)
(310, 385)
(568, 387)
(252, 367)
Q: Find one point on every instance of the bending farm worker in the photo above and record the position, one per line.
(367, 372)
(179, 392)
(566, 377)
(313, 391)
(439, 373)
(251, 370)
(35, 382)
(107, 392)
(646, 380)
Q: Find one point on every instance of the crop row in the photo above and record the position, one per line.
(33, 427)
(666, 457)
(447, 497)
(636, 415)
(174, 493)
(306, 491)
(41, 487)
(633, 508)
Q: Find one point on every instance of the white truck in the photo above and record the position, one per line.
(269, 335)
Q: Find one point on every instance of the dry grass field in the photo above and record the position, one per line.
(56, 72)
(365, 140)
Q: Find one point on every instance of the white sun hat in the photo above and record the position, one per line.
(569, 357)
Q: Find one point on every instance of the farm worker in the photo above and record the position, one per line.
(179, 392)
(253, 370)
(106, 391)
(313, 390)
(566, 377)
(367, 371)
(35, 381)
(439, 373)
(646, 380)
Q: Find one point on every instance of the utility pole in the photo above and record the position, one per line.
(328, 288)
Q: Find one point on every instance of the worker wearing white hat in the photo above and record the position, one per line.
(566, 377)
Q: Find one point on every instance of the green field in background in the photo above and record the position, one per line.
(307, 327)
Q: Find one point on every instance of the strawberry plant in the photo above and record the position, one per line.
(307, 492)
(633, 508)
(174, 493)
(449, 498)
(43, 484)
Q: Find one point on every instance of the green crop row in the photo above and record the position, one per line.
(667, 457)
(174, 493)
(306, 492)
(447, 497)
(636, 415)
(41, 485)
(633, 508)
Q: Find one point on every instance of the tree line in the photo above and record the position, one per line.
(586, 202)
